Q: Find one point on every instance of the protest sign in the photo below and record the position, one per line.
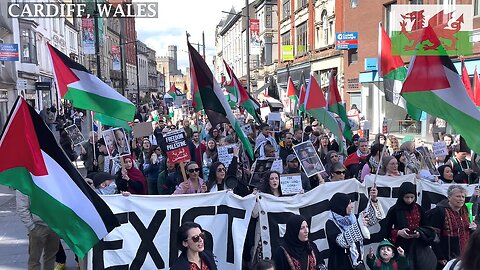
(291, 183)
(297, 122)
(277, 166)
(439, 149)
(147, 237)
(247, 129)
(275, 121)
(109, 138)
(144, 129)
(177, 149)
(264, 111)
(121, 141)
(428, 161)
(259, 167)
(225, 154)
(354, 121)
(75, 134)
(308, 158)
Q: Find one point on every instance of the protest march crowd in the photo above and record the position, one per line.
(444, 237)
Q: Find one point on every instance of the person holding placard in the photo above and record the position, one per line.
(293, 166)
(194, 184)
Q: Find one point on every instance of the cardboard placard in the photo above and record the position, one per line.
(75, 134)
(297, 122)
(275, 121)
(177, 149)
(141, 130)
(291, 183)
(277, 165)
(121, 140)
(308, 158)
(225, 154)
(259, 167)
(440, 149)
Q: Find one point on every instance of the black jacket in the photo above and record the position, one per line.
(182, 262)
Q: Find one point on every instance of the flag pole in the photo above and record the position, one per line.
(93, 143)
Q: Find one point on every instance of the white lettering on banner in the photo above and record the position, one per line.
(146, 238)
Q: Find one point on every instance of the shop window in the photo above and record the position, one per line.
(28, 44)
(301, 38)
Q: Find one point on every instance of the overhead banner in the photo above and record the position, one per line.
(88, 36)
(116, 57)
(255, 41)
(287, 53)
(147, 237)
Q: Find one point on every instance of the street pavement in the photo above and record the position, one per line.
(13, 234)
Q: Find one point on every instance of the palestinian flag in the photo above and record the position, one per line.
(194, 91)
(291, 91)
(303, 90)
(316, 106)
(86, 91)
(58, 193)
(174, 92)
(241, 96)
(110, 121)
(434, 85)
(476, 87)
(335, 105)
(466, 81)
(392, 69)
(213, 100)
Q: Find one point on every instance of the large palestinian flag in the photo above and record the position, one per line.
(316, 106)
(434, 85)
(213, 100)
(58, 193)
(86, 91)
(241, 96)
(336, 106)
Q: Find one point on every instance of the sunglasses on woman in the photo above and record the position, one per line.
(220, 169)
(196, 238)
(193, 170)
(339, 172)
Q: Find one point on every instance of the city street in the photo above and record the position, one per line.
(13, 234)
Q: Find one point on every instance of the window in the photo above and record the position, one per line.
(352, 56)
(388, 18)
(286, 9)
(324, 29)
(286, 39)
(476, 7)
(301, 38)
(62, 27)
(28, 44)
(301, 3)
(354, 3)
(416, 2)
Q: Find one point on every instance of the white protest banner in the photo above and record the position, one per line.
(147, 236)
(291, 183)
(225, 154)
(439, 149)
(313, 205)
(277, 165)
(432, 193)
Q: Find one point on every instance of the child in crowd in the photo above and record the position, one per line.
(387, 259)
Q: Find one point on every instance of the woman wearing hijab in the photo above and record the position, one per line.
(345, 234)
(446, 174)
(403, 228)
(131, 179)
(297, 252)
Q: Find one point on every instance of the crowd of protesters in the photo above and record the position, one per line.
(414, 239)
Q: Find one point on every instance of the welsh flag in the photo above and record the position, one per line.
(434, 85)
(213, 100)
(86, 91)
(58, 193)
(336, 106)
(316, 106)
(240, 96)
(392, 69)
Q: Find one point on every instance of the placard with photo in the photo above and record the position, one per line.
(109, 138)
(121, 141)
(260, 166)
(275, 121)
(75, 134)
(309, 159)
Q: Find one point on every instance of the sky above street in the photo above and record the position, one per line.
(178, 16)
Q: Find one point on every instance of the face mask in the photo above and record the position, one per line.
(108, 190)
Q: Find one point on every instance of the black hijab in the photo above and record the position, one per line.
(295, 248)
(339, 203)
(405, 188)
(441, 169)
